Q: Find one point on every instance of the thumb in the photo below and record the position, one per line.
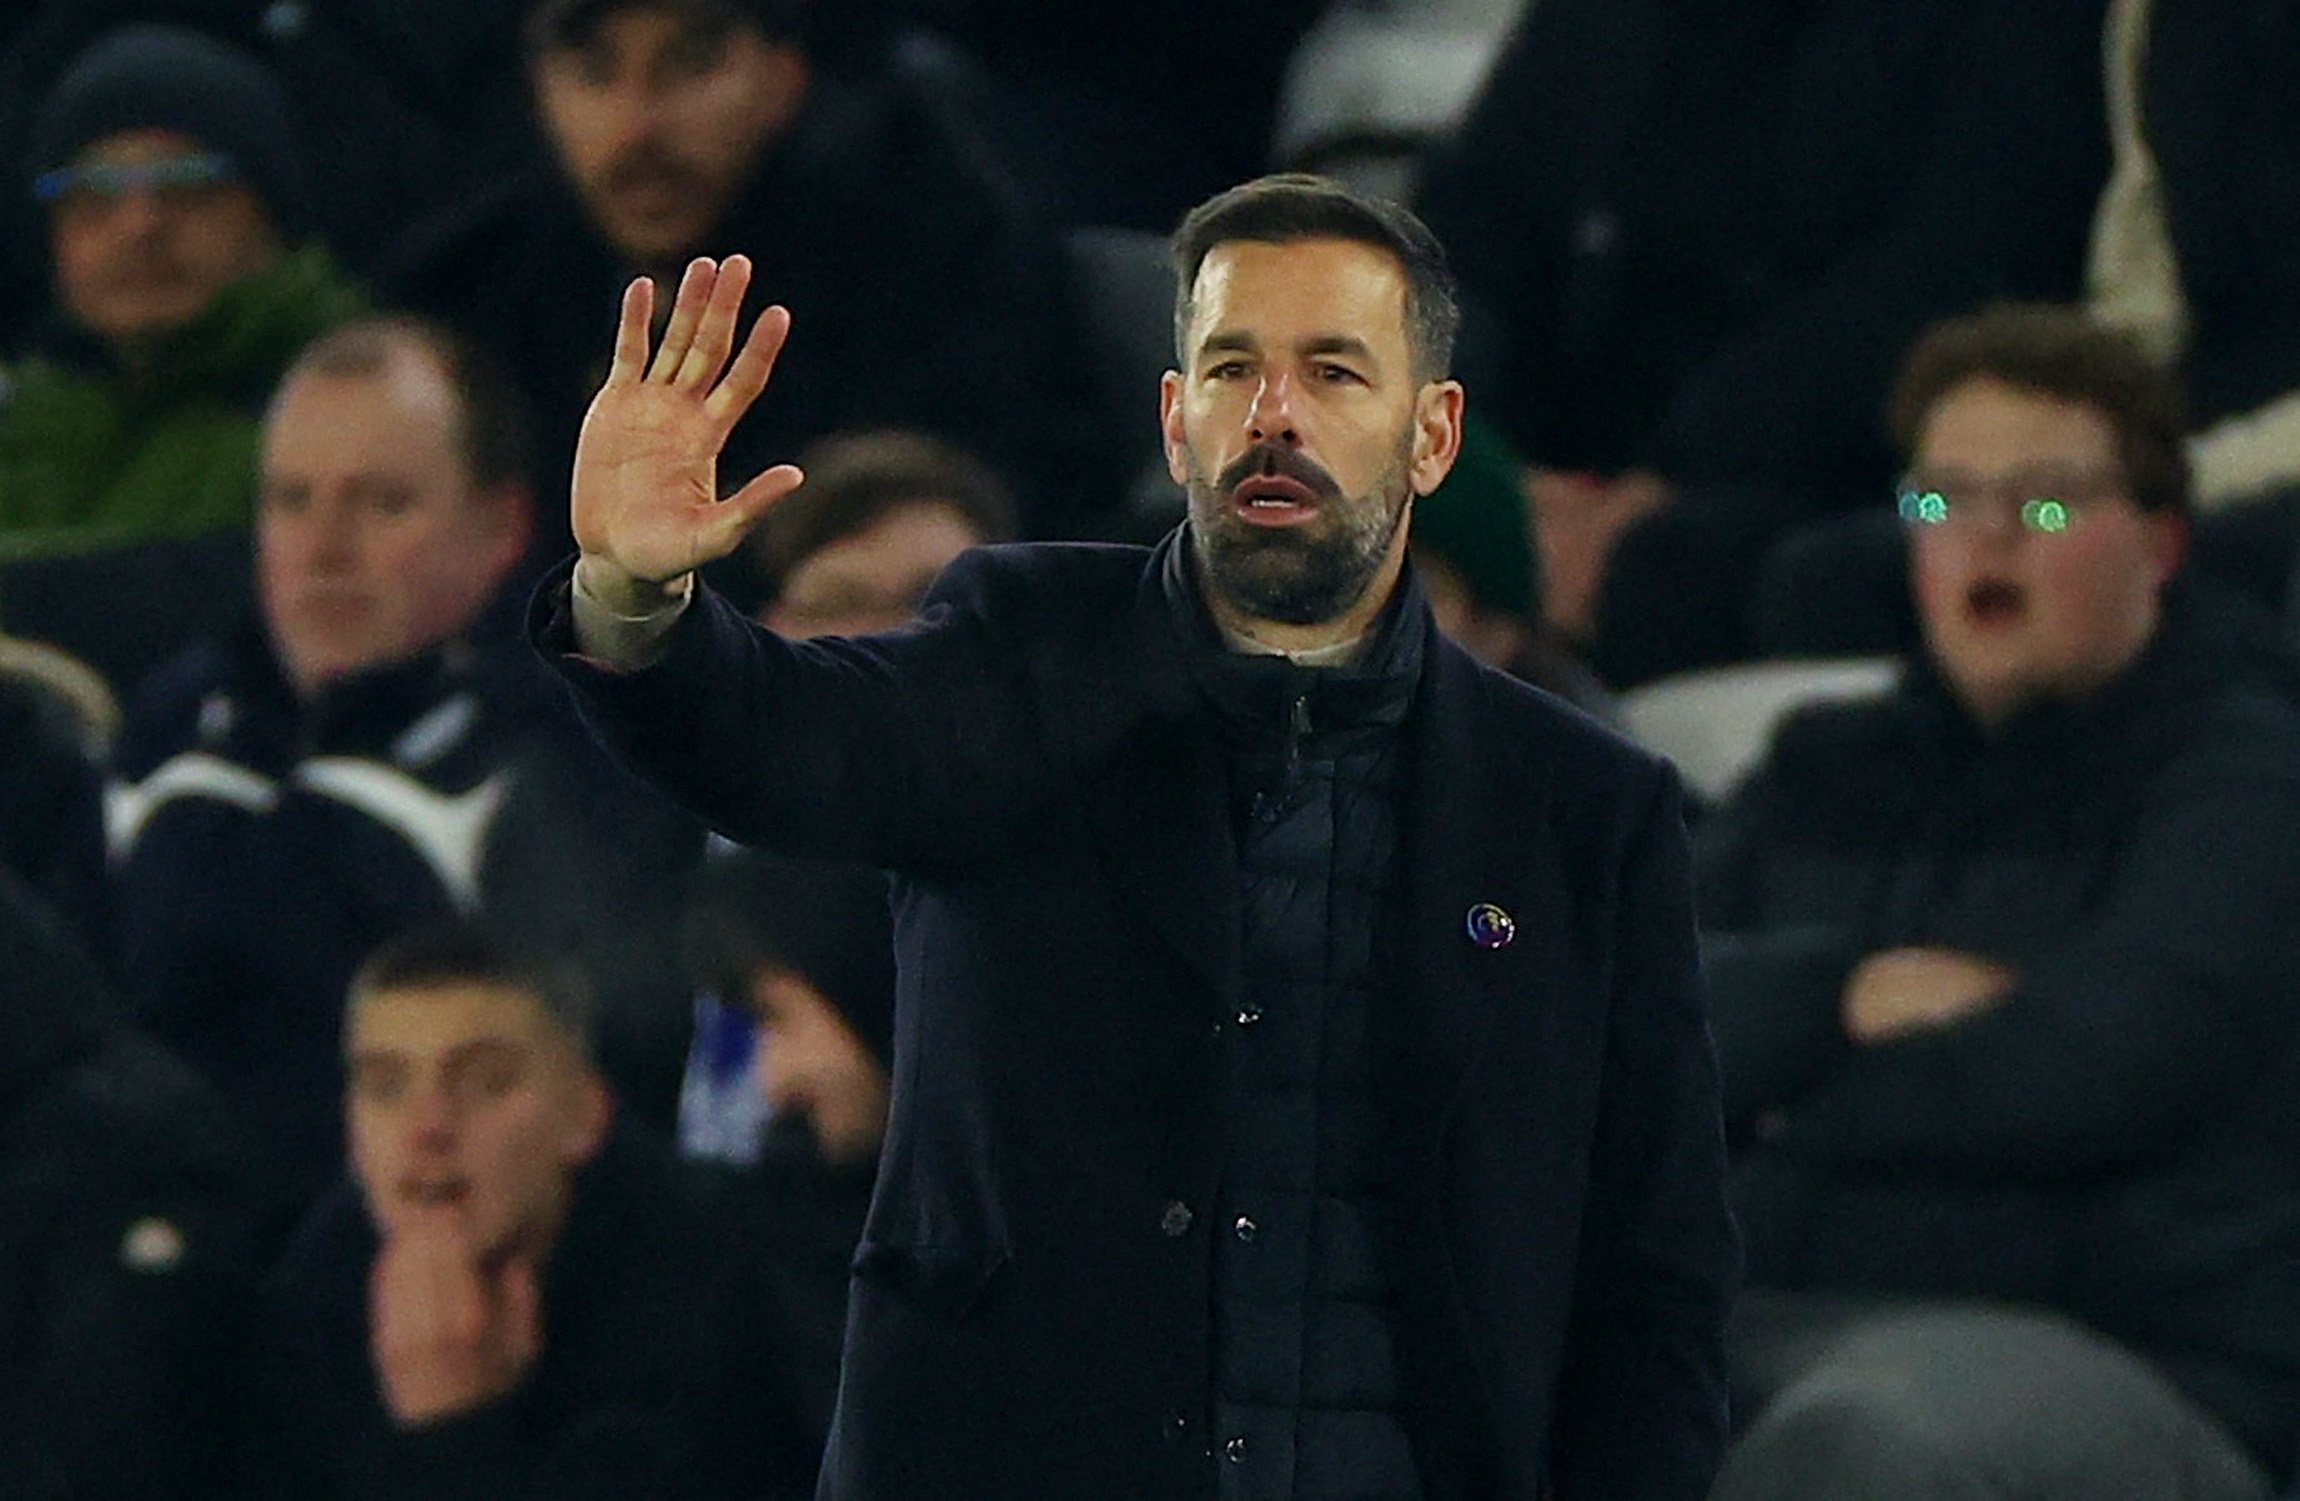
(731, 518)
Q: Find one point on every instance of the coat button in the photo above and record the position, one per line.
(1176, 1220)
(1235, 1450)
(1248, 1015)
(1245, 1229)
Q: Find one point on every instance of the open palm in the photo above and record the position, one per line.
(645, 498)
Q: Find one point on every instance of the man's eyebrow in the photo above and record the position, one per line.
(481, 1049)
(1230, 341)
(1349, 344)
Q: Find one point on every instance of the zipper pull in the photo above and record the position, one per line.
(1297, 730)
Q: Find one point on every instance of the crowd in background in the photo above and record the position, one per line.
(344, 981)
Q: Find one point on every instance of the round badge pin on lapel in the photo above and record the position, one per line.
(1490, 927)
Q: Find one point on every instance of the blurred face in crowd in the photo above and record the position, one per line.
(373, 543)
(873, 579)
(2035, 574)
(658, 118)
(1300, 428)
(467, 1100)
(145, 227)
(815, 1068)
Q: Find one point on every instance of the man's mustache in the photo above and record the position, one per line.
(1265, 459)
(649, 166)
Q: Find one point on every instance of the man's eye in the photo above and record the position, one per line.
(1226, 370)
(378, 1086)
(1337, 374)
(693, 59)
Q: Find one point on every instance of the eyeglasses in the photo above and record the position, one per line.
(2046, 502)
(105, 181)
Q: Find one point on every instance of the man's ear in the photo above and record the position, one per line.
(507, 523)
(2168, 536)
(784, 90)
(588, 1123)
(1437, 433)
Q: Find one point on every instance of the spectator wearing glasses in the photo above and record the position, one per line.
(168, 167)
(2002, 974)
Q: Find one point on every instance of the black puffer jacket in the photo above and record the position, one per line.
(2119, 1138)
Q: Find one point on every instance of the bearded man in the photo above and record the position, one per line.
(1301, 1085)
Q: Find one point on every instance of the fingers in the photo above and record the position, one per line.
(686, 316)
(732, 518)
(630, 360)
(747, 376)
(715, 334)
(522, 1313)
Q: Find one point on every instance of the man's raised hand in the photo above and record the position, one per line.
(646, 507)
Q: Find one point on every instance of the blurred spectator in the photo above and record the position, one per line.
(924, 295)
(881, 513)
(132, 1225)
(2002, 973)
(2195, 251)
(852, 551)
(288, 797)
(806, 951)
(1701, 233)
(174, 190)
(512, 1297)
(1473, 548)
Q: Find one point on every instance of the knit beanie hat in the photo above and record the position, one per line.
(151, 77)
(826, 923)
(1476, 520)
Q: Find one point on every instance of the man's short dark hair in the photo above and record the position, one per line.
(494, 431)
(854, 479)
(552, 24)
(2061, 353)
(1290, 206)
(457, 951)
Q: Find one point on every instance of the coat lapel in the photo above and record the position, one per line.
(1155, 791)
(1473, 838)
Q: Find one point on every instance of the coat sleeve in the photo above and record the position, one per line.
(2172, 996)
(896, 750)
(1641, 1406)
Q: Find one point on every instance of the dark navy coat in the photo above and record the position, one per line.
(1031, 1303)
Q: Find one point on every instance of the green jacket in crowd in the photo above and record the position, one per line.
(93, 457)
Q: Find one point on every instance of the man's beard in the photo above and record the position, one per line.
(1296, 575)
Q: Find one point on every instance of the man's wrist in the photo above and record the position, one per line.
(621, 622)
(626, 596)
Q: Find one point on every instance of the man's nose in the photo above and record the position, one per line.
(333, 535)
(138, 212)
(431, 1121)
(1271, 418)
(634, 110)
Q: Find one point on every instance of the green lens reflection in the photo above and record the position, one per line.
(1924, 507)
(2044, 515)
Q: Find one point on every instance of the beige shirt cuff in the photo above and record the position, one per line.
(620, 642)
